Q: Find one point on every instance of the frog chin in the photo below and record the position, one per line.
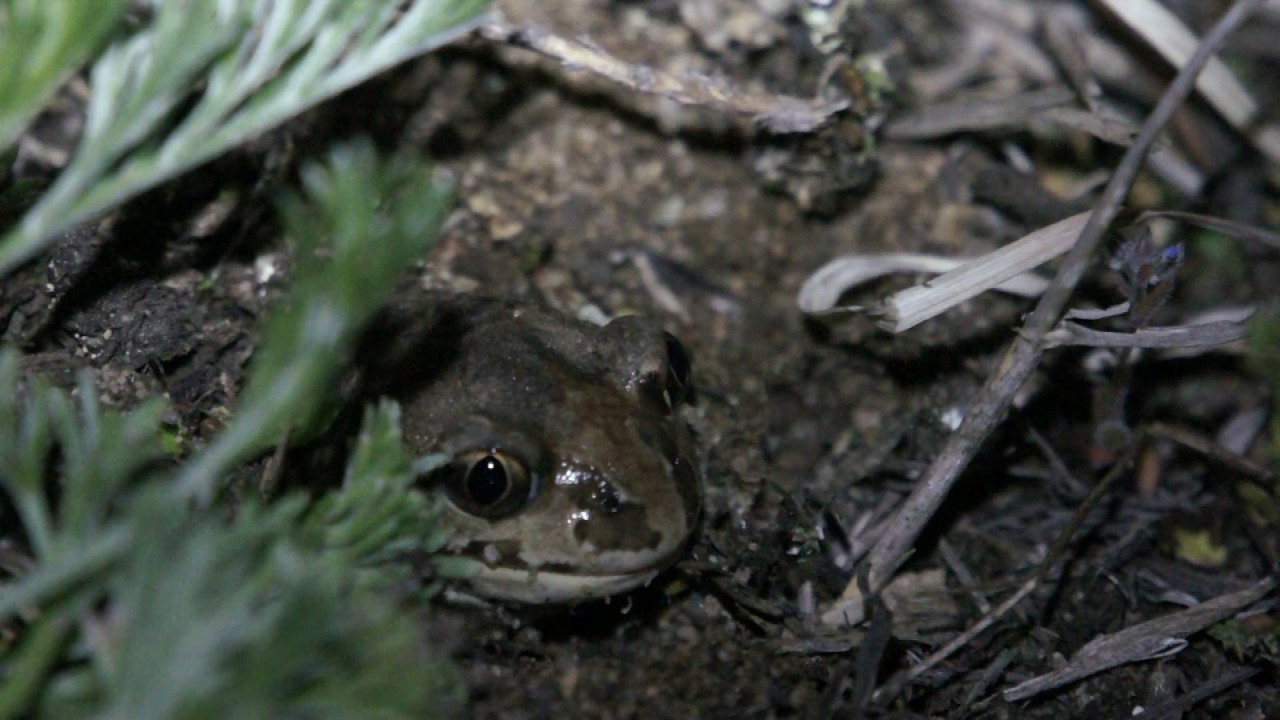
(546, 587)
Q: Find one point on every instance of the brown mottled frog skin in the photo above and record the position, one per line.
(572, 476)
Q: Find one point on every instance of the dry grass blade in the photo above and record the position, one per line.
(1175, 42)
(906, 309)
(821, 292)
(1064, 43)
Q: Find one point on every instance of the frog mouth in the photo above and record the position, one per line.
(550, 584)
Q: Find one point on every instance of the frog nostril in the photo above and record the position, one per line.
(678, 370)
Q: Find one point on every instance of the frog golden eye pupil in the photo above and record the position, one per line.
(487, 482)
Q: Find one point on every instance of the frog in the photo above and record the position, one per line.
(570, 473)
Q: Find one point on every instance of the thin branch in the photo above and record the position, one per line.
(1210, 334)
(1214, 451)
(1223, 225)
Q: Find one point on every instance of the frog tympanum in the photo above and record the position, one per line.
(572, 476)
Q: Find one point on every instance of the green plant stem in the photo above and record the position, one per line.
(30, 667)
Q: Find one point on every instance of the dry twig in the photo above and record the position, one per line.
(1209, 334)
(1204, 446)
(894, 685)
(988, 114)
(1160, 637)
(1251, 233)
(776, 113)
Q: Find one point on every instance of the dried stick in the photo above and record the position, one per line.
(1156, 638)
(1024, 353)
(777, 113)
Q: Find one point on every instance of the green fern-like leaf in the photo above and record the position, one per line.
(42, 42)
(359, 229)
(256, 62)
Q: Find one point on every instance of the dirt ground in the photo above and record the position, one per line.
(577, 192)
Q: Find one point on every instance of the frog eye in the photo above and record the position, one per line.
(677, 381)
(488, 483)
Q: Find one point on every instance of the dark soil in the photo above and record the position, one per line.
(574, 193)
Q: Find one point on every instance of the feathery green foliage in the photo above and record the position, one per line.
(136, 601)
(100, 451)
(143, 605)
(255, 62)
(188, 616)
(268, 617)
(377, 518)
(42, 42)
(361, 231)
